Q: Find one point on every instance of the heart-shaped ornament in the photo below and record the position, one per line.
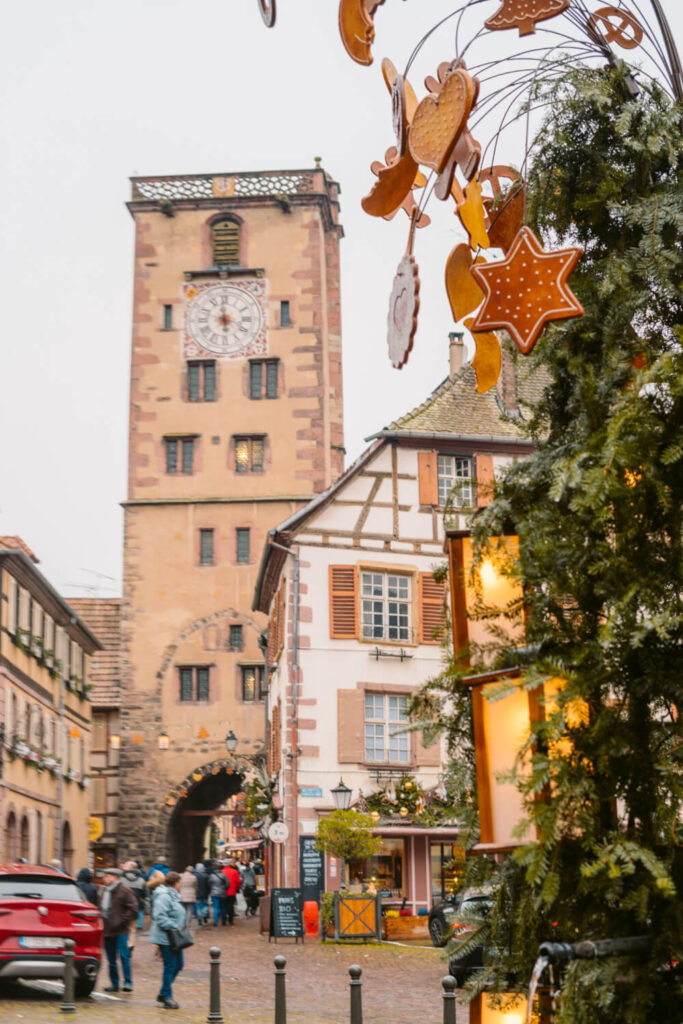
(464, 294)
(438, 122)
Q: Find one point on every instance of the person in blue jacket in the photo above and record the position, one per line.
(167, 912)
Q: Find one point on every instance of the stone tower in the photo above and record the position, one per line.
(235, 422)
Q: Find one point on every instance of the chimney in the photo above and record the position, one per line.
(456, 353)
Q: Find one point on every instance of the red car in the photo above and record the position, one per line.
(39, 909)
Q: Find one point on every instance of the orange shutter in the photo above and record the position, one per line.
(427, 476)
(350, 726)
(281, 603)
(432, 596)
(343, 602)
(484, 464)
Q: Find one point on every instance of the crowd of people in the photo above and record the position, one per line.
(204, 894)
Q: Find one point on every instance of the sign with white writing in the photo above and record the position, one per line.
(311, 869)
(278, 832)
(286, 921)
(313, 791)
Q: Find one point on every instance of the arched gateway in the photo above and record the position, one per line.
(198, 799)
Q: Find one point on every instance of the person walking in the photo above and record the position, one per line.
(118, 907)
(249, 889)
(201, 907)
(87, 886)
(167, 912)
(133, 878)
(233, 883)
(188, 892)
(217, 891)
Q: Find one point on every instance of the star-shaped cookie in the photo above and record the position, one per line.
(526, 290)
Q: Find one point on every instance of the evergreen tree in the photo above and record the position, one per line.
(598, 512)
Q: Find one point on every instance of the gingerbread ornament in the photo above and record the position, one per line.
(357, 28)
(605, 16)
(393, 190)
(404, 304)
(268, 11)
(505, 207)
(403, 103)
(437, 125)
(487, 359)
(523, 14)
(464, 294)
(469, 207)
(526, 290)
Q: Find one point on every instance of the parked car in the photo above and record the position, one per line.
(441, 917)
(475, 903)
(39, 909)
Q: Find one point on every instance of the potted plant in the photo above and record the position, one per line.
(20, 746)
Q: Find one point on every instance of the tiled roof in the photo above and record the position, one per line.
(455, 407)
(17, 544)
(103, 616)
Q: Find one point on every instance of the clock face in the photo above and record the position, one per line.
(224, 319)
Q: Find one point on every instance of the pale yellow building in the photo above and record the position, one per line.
(45, 716)
(235, 423)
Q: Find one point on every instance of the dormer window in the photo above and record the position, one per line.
(225, 242)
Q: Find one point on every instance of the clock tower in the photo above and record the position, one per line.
(235, 423)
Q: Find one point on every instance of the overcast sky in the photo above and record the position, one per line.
(93, 92)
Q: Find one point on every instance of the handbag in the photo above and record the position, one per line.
(179, 938)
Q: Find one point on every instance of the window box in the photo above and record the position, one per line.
(84, 782)
(20, 748)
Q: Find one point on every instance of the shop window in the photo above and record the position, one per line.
(252, 682)
(384, 870)
(447, 863)
(201, 380)
(194, 683)
(385, 714)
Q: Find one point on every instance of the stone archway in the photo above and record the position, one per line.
(203, 792)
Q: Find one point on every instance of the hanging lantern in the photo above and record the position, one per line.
(115, 741)
(484, 1010)
(163, 740)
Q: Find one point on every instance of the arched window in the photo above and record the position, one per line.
(11, 836)
(24, 838)
(67, 848)
(225, 242)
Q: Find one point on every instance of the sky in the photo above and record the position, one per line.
(92, 93)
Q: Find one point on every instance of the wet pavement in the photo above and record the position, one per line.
(401, 984)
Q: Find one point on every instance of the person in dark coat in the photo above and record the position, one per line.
(217, 888)
(87, 886)
(201, 908)
(119, 906)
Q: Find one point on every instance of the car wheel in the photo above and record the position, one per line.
(437, 931)
(83, 987)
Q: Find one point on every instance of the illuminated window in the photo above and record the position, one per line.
(455, 475)
(252, 682)
(225, 240)
(249, 452)
(384, 715)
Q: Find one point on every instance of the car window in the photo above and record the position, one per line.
(39, 887)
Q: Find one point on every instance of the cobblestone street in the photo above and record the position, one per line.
(401, 984)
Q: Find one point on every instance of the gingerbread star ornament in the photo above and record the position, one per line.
(526, 290)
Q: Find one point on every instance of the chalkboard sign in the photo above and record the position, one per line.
(286, 907)
(311, 869)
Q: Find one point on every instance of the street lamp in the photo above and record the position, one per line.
(115, 741)
(341, 795)
(163, 740)
(231, 742)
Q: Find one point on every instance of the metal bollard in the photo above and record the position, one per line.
(280, 998)
(215, 1015)
(448, 985)
(356, 999)
(68, 1005)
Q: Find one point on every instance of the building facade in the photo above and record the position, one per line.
(45, 731)
(356, 617)
(235, 422)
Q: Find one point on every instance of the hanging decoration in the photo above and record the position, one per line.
(523, 14)
(526, 290)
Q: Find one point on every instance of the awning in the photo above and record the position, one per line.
(249, 844)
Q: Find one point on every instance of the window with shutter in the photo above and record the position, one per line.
(427, 478)
(484, 465)
(225, 239)
(432, 596)
(343, 602)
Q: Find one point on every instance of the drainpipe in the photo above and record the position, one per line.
(295, 697)
(263, 644)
